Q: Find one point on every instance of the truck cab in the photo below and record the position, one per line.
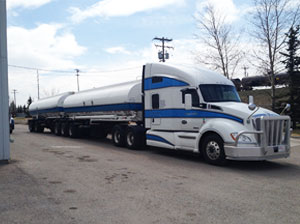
(199, 110)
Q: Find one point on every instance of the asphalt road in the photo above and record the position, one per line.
(60, 180)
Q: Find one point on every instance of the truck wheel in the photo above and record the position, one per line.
(134, 137)
(65, 129)
(35, 126)
(213, 150)
(73, 131)
(118, 136)
(31, 126)
(57, 129)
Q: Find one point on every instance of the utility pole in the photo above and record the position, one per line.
(77, 74)
(245, 70)
(14, 92)
(38, 83)
(162, 56)
(4, 113)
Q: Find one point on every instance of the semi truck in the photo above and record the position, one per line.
(173, 106)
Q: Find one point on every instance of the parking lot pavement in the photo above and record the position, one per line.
(295, 142)
(61, 180)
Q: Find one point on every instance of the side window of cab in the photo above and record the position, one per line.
(195, 96)
(155, 101)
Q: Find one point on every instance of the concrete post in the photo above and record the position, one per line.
(4, 116)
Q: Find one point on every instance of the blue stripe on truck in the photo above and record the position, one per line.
(111, 107)
(45, 111)
(166, 82)
(182, 113)
(158, 139)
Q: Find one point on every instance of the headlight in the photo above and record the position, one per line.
(242, 138)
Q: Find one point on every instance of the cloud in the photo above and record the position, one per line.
(113, 8)
(117, 50)
(46, 46)
(26, 3)
(225, 8)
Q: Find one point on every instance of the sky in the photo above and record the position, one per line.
(107, 40)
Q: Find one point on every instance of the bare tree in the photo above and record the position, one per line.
(271, 20)
(52, 92)
(220, 39)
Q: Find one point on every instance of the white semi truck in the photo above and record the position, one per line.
(174, 107)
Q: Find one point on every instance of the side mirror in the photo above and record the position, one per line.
(286, 108)
(251, 105)
(188, 101)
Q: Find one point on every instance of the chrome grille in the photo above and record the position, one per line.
(276, 130)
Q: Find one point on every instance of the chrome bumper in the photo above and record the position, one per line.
(273, 141)
(233, 152)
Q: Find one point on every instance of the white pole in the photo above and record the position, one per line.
(4, 116)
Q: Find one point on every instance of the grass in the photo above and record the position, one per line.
(262, 97)
(20, 120)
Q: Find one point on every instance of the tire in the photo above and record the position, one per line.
(74, 131)
(65, 129)
(118, 136)
(31, 126)
(212, 150)
(57, 128)
(35, 126)
(134, 137)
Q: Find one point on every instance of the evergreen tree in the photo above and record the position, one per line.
(29, 101)
(292, 64)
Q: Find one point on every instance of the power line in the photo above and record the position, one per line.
(40, 69)
(71, 72)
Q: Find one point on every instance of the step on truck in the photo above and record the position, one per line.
(174, 107)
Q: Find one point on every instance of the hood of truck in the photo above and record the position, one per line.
(241, 110)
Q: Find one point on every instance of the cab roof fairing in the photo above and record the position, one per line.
(192, 74)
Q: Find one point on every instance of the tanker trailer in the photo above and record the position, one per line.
(45, 111)
(115, 109)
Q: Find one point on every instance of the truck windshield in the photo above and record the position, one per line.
(219, 93)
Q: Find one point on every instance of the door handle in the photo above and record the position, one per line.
(183, 122)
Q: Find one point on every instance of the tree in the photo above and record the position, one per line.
(52, 92)
(271, 19)
(29, 101)
(292, 64)
(221, 40)
(12, 108)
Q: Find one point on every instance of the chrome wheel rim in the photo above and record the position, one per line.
(130, 138)
(213, 150)
(117, 136)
